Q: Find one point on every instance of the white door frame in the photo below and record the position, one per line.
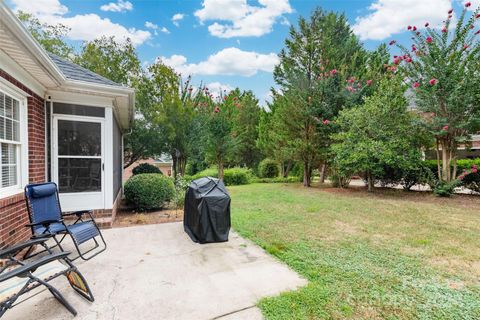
(79, 200)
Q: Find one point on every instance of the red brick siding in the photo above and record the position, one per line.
(13, 212)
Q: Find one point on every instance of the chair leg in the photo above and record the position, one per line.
(58, 296)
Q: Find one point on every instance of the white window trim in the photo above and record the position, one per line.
(22, 174)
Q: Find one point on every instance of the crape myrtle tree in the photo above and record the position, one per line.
(173, 112)
(218, 115)
(378, 134)
(318, 56)
(443, 67)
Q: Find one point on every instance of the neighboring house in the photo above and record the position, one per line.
(58, 122)
(164, 163)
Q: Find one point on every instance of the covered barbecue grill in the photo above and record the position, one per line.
(207, 211)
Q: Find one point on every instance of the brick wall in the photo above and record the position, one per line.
(13, 213)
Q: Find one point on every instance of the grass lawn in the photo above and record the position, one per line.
(390, 255)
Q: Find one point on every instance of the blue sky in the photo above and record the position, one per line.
(228, 43)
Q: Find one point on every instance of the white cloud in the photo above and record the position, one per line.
(177, 17)
(229, 61)
(155, 27)
(218, 89)
(151, 25)
(40, 7)
(83, 27)
(238, 19)
(120, 6)
(389, 17)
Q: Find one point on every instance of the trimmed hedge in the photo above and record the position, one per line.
(148, 191)
(291, 179)
(268, 168)
(462, 165)
(145, 168)
(231, 177)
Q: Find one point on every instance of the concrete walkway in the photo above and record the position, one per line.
(157, 272)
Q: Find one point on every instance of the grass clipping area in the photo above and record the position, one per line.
(389, 255)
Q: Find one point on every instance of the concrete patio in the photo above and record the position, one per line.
(157, 272)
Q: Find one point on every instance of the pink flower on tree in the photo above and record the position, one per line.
(433, 81)
(465, 46)
(333, 72)
(326, 122)
(416, 85)
(409, 28)
(414, 28)
(429, 40)
(445, 128)
(444, 30)
(216, 110)
(477, 16)
(369, 82)
(468, 4)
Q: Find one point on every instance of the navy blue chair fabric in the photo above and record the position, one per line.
(46, 218)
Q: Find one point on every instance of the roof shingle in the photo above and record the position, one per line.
(73, 71)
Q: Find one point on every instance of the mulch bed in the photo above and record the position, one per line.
(126, 217)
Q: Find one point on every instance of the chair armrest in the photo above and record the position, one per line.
(77, 213)
(13, 250)
(33, 265)
(44, 223)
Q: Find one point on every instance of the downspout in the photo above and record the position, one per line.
(123, 153)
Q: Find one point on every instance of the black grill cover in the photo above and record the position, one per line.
(207, 211)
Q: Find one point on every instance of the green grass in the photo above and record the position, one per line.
(391, 255)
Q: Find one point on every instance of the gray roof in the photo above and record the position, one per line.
(73, 71)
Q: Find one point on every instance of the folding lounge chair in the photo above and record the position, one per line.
(18, 277)
(46, 217)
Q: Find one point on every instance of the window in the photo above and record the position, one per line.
(10, 142)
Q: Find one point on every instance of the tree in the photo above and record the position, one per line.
(442, 67)
(219, 123)
(50, 37)
(319, 54)
(117, 61)
(173, 112)
(245, 128)
(380, 133)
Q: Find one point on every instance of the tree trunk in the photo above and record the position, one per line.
(306, 174)
(323, 170)
(370, 181)
(174, 165)
(220, 169)
(286, 172)
(445, 163)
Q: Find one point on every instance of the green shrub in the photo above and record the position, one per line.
(209, 172)
(148, 191)
(445, 189)
(268, 168)
(145, 168)
(231, 176)
(277, 180)
(181, 186)
(462, 165)
(237, 176)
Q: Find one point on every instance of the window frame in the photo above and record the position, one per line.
(9, 89)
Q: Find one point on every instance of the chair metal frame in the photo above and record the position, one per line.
(46, 224)
(26, 268)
